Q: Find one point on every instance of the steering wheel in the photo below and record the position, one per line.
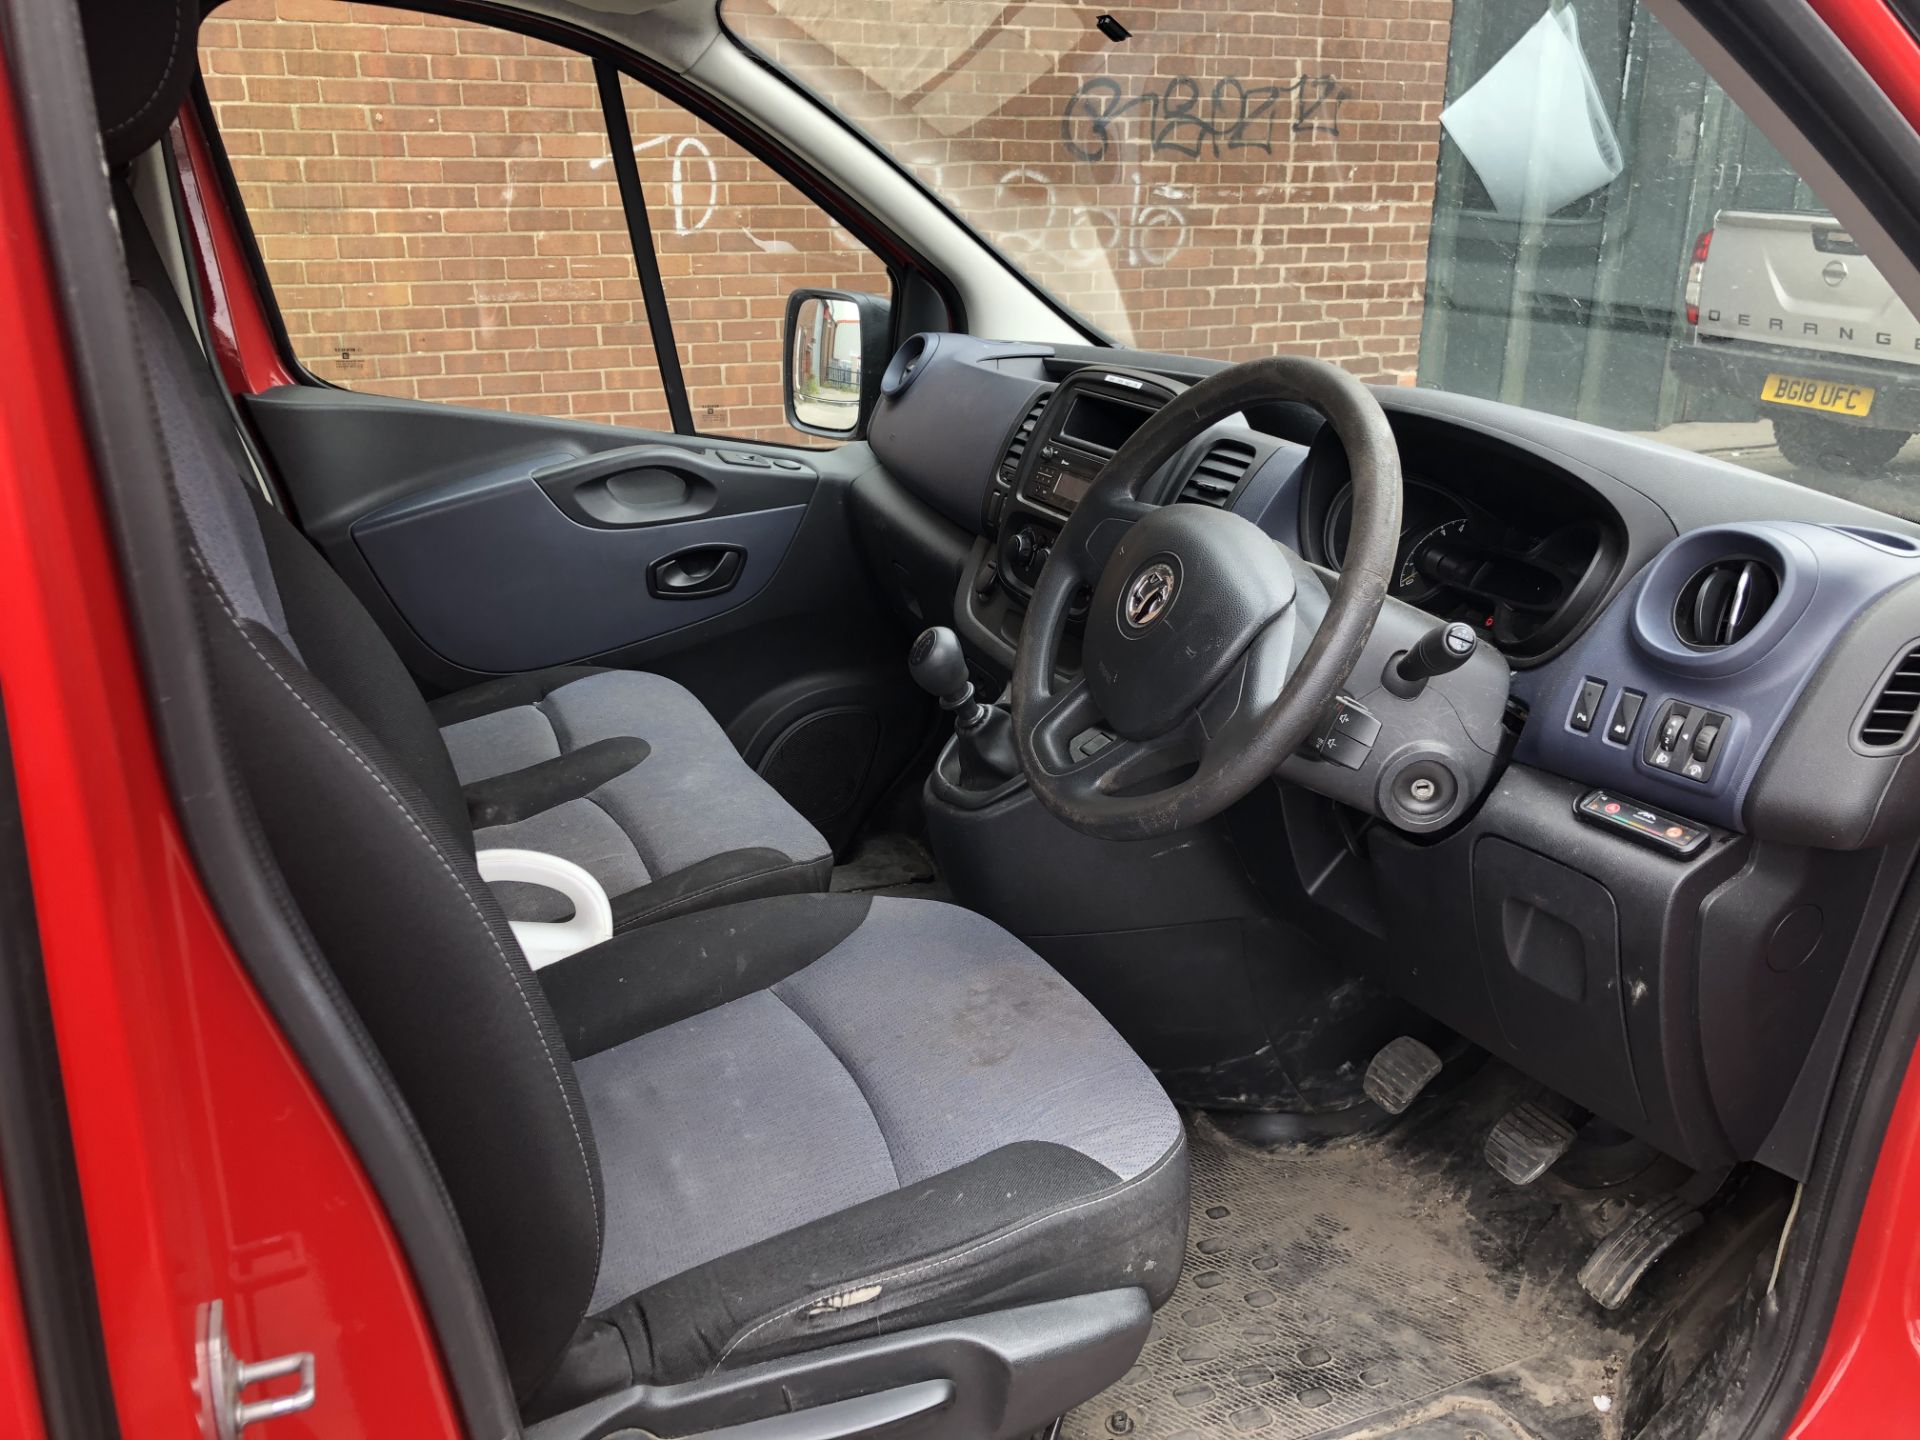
(1188, 695)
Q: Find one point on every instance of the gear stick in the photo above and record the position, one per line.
(983, 734)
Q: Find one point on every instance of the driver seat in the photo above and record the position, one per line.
(803, 1150)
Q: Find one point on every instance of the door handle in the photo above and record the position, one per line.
(696, 573)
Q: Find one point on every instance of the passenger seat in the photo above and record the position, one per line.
(624, 773)
(627, 774)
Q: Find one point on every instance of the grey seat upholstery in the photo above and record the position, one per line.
(854, 1115)
(626, 774)
(714, 1139)
(731, 1134)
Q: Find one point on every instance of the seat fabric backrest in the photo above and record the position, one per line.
(382, 870)
(343, 647)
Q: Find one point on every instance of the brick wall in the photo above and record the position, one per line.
(437, 210)
(1232, 180)
(438, 213)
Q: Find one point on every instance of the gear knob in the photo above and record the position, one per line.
(982, 734)
(939, 667)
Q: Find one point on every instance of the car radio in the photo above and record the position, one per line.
(1063, 476)
(1094, 426)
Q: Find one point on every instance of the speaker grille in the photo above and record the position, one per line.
(820, 762)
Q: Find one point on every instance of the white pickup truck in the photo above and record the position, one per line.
(1786, 310)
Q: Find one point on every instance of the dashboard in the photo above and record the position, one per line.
(1502, 542)
(1671, 800)
(1582, 556)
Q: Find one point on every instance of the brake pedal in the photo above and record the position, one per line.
(1525, 1142)
(1399, 1072)
(1619, 1261)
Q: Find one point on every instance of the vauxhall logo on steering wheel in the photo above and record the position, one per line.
(1149, 595)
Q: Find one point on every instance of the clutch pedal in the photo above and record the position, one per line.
(1619, 1261)
(1525, 1142)
(1399, 1072)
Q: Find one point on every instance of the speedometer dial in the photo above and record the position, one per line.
(1427, 515)
(1409, 584)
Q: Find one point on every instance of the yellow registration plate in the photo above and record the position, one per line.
(1834, 396)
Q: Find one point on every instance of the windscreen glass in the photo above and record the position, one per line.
(1553, 205)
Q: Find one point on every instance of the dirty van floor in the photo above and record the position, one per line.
(889, 864)
(1384, 1285)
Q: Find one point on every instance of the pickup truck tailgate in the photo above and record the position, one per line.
(1800, 281)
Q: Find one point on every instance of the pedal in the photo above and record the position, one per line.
(1619, 1261)
(1525, 1142)
(1399, 1072)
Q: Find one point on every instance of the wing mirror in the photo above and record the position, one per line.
(836, 350)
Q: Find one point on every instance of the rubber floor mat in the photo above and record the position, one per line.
(1382, 1286)
(888, 865)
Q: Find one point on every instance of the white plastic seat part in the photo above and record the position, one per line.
(547, 941)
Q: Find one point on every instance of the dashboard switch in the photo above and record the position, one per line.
(1626, 713)
(1670, 728)
(1089, 743)
(1587, 705)
(1687, 740)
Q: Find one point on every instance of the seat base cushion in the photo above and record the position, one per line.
(627, 775)
(953, 1129)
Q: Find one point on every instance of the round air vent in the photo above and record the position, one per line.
(1723, 602)
(907, 362)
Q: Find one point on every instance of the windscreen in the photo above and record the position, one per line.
(1549, 205)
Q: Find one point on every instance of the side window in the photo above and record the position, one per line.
(438, 212)
(734, 240)
(436, 207)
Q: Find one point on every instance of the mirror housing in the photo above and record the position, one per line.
(836, 349)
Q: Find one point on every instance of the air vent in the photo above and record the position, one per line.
(1722, 603)
(1218, 474)
(1017, 446)
(1888, 723)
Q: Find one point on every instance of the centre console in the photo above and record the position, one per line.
(1047, 463)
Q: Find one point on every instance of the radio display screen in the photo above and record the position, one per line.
(1070, 486)
(1063, 479)
(1103, 423)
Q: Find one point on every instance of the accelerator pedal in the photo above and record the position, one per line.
(1526, 1141)
(1399, 1072)
(1647, 1233)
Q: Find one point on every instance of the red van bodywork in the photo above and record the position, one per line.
(208, 1164)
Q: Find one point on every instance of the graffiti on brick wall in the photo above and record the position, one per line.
(693, 180)
(1146, 230)
(1179, 118)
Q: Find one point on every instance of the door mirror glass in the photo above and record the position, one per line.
(836, 343)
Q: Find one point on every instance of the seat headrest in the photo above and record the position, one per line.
(141, 55)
